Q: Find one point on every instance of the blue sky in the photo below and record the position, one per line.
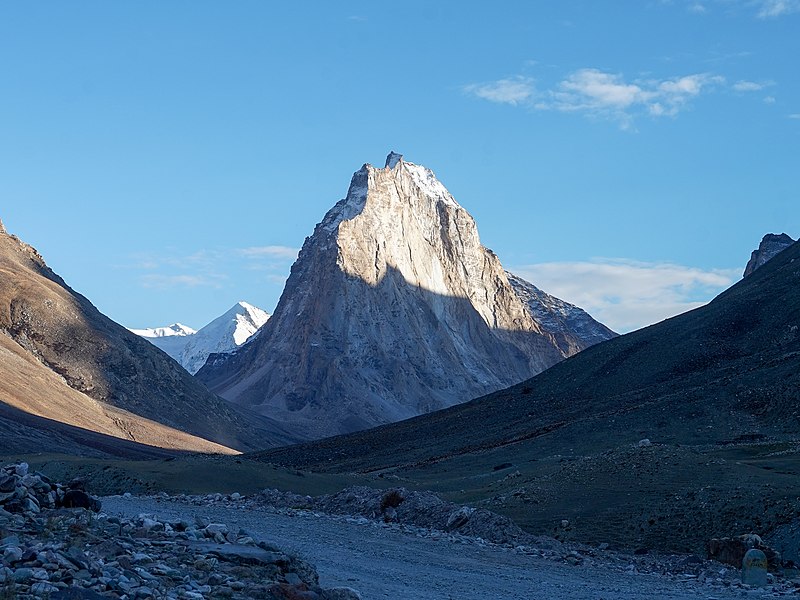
(168, 158)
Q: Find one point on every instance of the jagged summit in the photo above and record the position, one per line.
(2, 227)
(392, 159)
(393, 308)
(771, 244)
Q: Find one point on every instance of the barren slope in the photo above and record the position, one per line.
(65, 361)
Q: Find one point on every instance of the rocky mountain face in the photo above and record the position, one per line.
(572, 327)
(392, 309)
(222, 335)
(72, 380)
(770, 245)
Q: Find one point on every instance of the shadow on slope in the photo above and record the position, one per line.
(313, 364)
(25, 434)
(715, 391)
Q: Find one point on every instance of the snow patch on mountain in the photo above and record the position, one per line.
(224, 334)
(176, 329)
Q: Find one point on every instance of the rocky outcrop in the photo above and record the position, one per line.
(407, 507)
(54, 548)
(770, 245)
(65, 366)
(393, 309)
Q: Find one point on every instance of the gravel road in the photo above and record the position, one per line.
(384, 562)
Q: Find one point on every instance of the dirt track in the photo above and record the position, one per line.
(382, 562)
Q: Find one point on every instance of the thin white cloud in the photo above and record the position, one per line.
(160, 281)
(763, 9)
(748, 86)
(208, 267)
(282, 252)
(600, 93)
(768, 9)
(512, 91)
(594, 89)
(769, 100)
(597, 93)
(628, 295)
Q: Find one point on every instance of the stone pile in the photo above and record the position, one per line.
(49, 551)
(25, 492)
(399, 505)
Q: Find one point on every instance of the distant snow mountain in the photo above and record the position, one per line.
(176, 329)
(223, 335)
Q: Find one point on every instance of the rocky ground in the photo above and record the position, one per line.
(55, 543)
(410, 551)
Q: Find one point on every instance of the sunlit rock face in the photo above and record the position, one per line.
(393, 309)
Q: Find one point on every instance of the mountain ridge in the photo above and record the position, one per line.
(65, 361)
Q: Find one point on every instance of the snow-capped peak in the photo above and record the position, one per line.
(241, 321)
(222, 335)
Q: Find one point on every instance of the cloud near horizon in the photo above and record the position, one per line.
(626, 295)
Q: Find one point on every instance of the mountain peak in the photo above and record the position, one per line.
(771, 244)
(393, 308)
(2, 227)
(392, 159)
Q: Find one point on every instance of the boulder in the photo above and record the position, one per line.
(731, 551)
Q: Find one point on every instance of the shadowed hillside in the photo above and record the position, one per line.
(713, 396)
